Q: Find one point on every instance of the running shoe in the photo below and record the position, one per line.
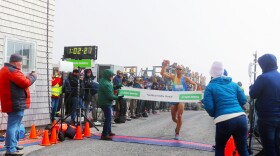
(97, 123)
(176, 137)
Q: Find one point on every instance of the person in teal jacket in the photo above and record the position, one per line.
(223, 100)
(105, 100)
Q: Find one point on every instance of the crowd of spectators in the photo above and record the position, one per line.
(124, 109)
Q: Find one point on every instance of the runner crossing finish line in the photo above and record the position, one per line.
(158, 95)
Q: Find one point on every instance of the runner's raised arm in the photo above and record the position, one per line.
(163, 70)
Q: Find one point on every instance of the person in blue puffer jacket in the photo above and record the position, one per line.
(266, 90)
(223, 100)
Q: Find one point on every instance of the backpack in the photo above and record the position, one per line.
(95, 87)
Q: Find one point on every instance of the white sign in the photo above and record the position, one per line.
(66, 66)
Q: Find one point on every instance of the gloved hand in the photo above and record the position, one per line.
(119, 86)
(120, 97)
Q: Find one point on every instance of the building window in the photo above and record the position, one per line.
(26, 49)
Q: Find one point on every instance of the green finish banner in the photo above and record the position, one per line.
(190, 96)
(81, 63)
(131, 93)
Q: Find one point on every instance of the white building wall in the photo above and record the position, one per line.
(26, 20)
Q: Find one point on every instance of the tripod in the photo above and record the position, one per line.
(77, 106)
(252, 129)
(252, 113)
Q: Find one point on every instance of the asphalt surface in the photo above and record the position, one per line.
(197, 127)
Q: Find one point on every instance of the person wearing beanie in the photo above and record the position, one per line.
(179, 84)
(266, 91)
(15, 58)
(223, 100)
(217, 70)
(15, 98)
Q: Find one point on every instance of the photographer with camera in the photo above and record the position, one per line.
(15, 98)
(76, 100)
(105, 101)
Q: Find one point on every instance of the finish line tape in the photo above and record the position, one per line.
(163, 96)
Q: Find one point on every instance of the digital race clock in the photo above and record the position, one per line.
(81, 52)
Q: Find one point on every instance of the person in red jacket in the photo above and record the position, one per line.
(15, 97)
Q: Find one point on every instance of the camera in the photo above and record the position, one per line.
(32, 72)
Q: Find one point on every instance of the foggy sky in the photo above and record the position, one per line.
(192, 33)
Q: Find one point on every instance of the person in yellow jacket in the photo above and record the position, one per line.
(56, 92)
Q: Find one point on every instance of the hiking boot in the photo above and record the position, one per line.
(16, 153)
(145, 115)
(19, 147)
(112, 134)
(133, 117)
(105, 138)
(117, 120)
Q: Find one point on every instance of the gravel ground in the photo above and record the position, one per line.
(197, 127)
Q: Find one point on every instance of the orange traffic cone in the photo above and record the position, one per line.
(33, 134)
(53, 136)
(45, 140)
(78, 135)
(235, 152)
(230, 148)
(87, 130)
(54, 125)
(54, 122)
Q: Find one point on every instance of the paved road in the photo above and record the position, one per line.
(197, 127)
